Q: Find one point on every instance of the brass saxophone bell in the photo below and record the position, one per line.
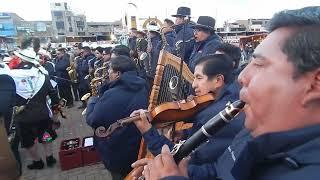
(85, 97)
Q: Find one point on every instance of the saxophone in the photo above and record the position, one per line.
(72, 72)
(100, 76)
(163, 38)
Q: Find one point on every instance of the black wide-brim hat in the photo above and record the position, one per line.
(183, 12)
(205, 22)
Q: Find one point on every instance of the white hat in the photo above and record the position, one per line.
(28, 55)
(152, 27)
(7, 59)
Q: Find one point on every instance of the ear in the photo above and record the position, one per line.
(219, 80)
(118, 74)
(312, 93)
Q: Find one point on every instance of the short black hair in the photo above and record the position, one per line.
(121, 50)
(107, 50)
(231, 50)
(122, 64)
(302, 47)
(217, 64)
(169, 21)
(99, 49)
(86, 48)
(31, 42)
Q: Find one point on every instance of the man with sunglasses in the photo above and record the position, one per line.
(207, 41)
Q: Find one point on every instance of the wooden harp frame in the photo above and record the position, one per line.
(165, 58)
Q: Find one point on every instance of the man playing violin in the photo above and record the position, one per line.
(125, 92)
(281, 89)
(213, 74)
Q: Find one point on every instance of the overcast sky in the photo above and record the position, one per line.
(110, 10)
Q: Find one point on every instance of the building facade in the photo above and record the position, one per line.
(7, 24)
(257, 25)
(232, 32)
(66, 23)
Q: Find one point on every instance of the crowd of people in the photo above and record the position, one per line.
(275, 137)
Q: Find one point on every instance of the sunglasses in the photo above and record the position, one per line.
(200, 29)
(197, 30)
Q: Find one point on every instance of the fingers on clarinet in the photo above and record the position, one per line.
(166, 156)
(183, 166)
(157, 162)
(165, 149)
(186, 159)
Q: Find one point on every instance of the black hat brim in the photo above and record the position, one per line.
(178, 15)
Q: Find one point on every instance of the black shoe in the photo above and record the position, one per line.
(36, 165)
(50, 161)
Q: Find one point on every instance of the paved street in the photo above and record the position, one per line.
(72, 127)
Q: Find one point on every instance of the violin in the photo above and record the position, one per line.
(165, 113)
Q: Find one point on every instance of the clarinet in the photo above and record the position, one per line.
(184, 148)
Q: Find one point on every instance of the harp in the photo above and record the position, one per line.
(165, 89)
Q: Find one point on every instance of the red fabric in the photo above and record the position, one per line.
(14, 62)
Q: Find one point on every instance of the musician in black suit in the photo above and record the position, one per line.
(64, 85)
(184, 32)
(124, 92)
(207, 41)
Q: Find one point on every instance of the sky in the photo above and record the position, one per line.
(111, 10)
